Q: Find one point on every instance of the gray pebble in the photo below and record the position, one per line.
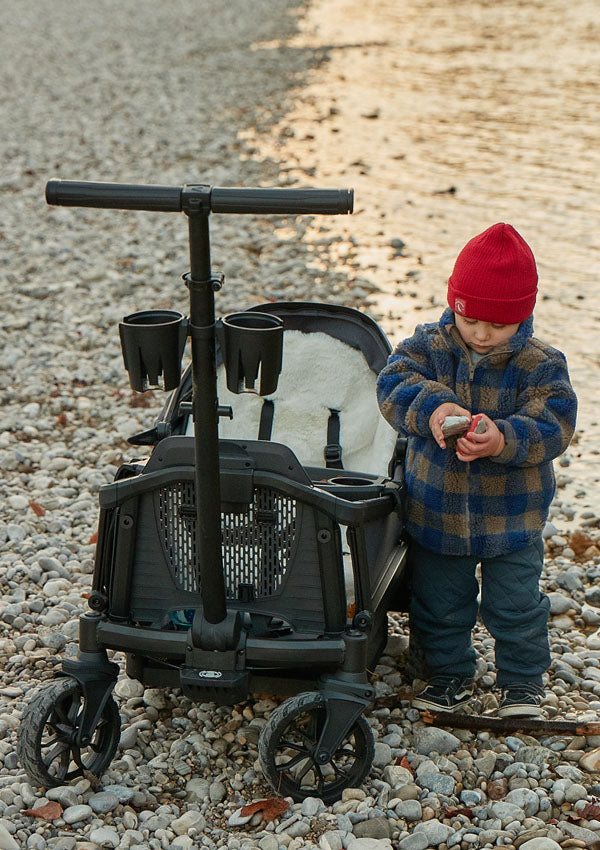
(383, 754)
(434, 831)
(103, 802)
(432, 739)
(217, 792)
(105, 837)
(416, 841)
(73, 814)
(410, 810)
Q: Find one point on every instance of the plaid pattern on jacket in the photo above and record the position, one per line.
(493, 505)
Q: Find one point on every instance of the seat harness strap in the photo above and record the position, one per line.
(265, 426)
(333, 449)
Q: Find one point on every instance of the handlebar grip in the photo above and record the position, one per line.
(282, 201)
(121, 196)
(128, 196)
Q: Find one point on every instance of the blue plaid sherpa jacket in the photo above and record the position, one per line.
(489, 506)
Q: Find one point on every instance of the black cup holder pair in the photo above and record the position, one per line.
(153, 341)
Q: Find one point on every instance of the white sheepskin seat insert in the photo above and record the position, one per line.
(319, 374)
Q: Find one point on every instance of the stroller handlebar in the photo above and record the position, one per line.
(116, 196)
(283, 201)
(129, 196)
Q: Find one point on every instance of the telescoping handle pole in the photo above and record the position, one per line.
(197, 201)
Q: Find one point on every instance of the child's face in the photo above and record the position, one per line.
(483, 336)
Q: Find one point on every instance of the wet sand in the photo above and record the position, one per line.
(445, 118)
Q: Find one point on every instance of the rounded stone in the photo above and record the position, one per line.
(435, 831)
(217, 792)
(525, 799)
(74, 814)
(409, 810)
(268, 842)
(397, 776)
(434, 740)
(187, 821)
(373, 828)
(63, 794)
(105, 837)
(575, 792)
(383, 754)
(128, 688)
(103, 802)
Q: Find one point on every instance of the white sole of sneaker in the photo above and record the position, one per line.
(425, 705)
(521, 711)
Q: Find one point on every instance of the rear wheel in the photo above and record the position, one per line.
(47, 746)
(288, 743)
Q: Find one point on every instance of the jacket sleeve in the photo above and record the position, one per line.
(408, 389)
(544, 421)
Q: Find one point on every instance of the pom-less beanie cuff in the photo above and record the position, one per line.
(494, 277)
(491, 309)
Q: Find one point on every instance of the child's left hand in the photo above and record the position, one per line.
(488, 444)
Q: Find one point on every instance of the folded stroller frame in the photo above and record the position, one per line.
(225, 565)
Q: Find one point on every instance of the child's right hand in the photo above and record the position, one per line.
(438, 416)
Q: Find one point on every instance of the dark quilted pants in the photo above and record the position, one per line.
(444, 609)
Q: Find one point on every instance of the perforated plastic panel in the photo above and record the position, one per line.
(257, 543)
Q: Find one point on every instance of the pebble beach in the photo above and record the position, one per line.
(444, 119)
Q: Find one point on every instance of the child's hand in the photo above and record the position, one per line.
(438, 416)
(488, 444)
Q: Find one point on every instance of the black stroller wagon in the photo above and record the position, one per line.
(261, 560)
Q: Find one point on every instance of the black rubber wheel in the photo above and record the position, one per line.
(46, 746)
(288, 741)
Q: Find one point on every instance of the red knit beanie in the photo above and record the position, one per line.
(494, 277)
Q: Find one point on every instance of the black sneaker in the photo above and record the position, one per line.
(521, 700)
(444, 693)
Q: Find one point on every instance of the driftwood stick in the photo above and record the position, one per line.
(505, 725)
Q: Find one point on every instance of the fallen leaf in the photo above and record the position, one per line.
(51, 811)
(404, 762)
(37, 508)
(579, 541)
(452, 813)
(141, 399)
(93, 538)
(271, 808)
(590, 812)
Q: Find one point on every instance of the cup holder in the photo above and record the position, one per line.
(352, 488)
(252, 344)
(351, 481)
(152, 342)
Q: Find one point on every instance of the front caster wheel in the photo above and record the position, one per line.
(46, 744)
(287, 744)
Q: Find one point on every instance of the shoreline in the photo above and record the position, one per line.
(417, 114)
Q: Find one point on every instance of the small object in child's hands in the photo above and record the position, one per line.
(455, 425)
(477, 425)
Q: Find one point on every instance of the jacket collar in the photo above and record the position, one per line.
(496, 355)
